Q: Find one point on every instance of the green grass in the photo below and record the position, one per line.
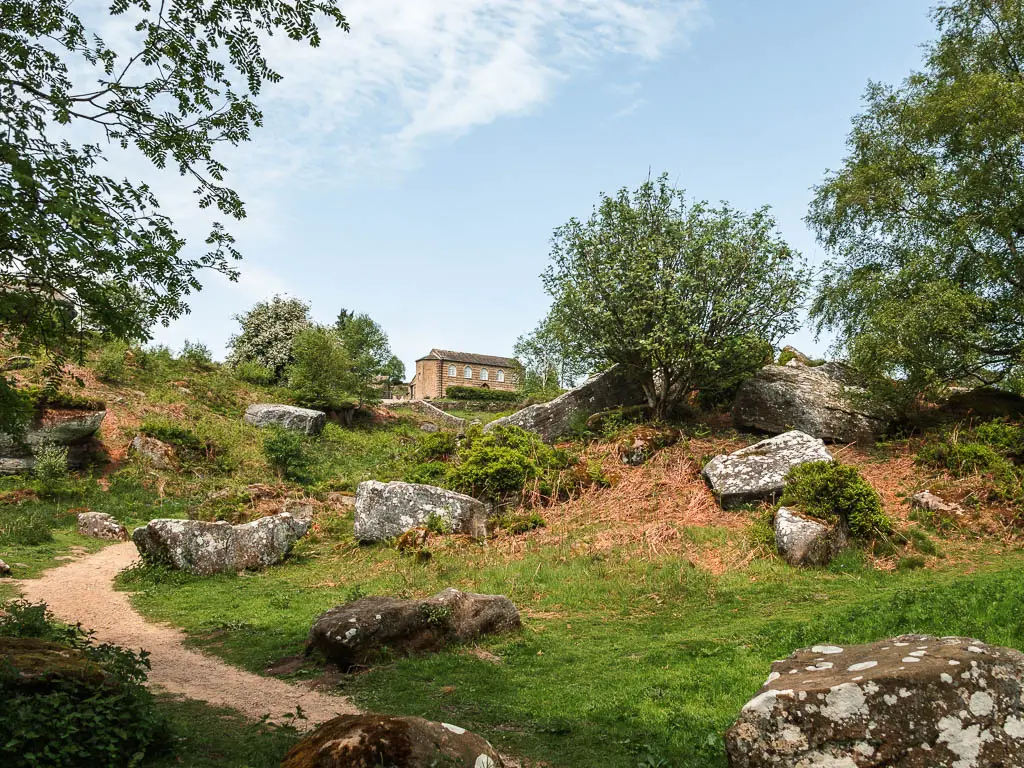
(620, 657)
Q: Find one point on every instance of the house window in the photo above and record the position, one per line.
(452, 372)
(467, 373)
(483, 374)
(501, 376)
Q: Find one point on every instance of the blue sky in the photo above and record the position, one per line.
(415, 168)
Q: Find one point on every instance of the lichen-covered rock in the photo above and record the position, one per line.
(803, 541)
(67, 428)
(430, 427)
(758, 472)
(929, 502)
(438, 418)
(371, 741)
(387, 510)
(40, 666)
(355, 633)
(100, 525)
(556, 419)
(17, 363)
(5, 569)
(817, 400)
(289, 417)
(206, 548)
(642, 443)
(910, 702)
(159, 454)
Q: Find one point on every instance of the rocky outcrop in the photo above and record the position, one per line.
(820, 401)
(642, 443)
(557, 418)
(929, 502)
(387, 510)
(804, 541)
(438, 418)
(17, 363)
(913, 701)
(207, 548)
(36, 666)
(356, 633)
(160, 455)
(371, 741)
(758, 472)
(72, 429)
(100, 525)
(290, 417)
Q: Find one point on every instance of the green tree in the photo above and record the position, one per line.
(394, 371)
(548, 358)
(684, 296)
(76, 242)
(268, 333)
(321, 373)
(925, 217)
(369, 351)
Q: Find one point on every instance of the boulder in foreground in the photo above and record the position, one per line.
(289, 417)
(356, 633)
(804, 541)
(205, 548)
(371, 741)
(556, 419)
(817, 400)
(387, 510)
(758, 472)
(914, 701)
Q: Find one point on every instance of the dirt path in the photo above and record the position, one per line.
(82, 591)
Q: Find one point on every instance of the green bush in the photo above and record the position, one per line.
(1002, 435)
(479, 393)
(254, 373)
(51, 463)
(521, 521)
(41, 399)
(285, 451)
(70, 721)
(174, 433)
(437, 446)
(493, 471)
(321, 374)
(836, 492)
(964, 459)
(111, 364)
(196, 356)
(428, 473)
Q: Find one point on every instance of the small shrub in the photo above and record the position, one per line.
(438, 525)
(254, 373)
(762, 535)
(1002, 435)
(428, 473)
(833, 492)
(51, 463)
(963, 459)
(111, 364)
(437, 446)
(479, 393)
(493, 471)
(923, 543)
(285, 451)
(910, 563)
(196, 356)
(438, 615)
(520, 522)
(41, 399)
(167, 431)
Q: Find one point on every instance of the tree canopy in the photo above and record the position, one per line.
(268, 333)
(684, 296)
(925, 218)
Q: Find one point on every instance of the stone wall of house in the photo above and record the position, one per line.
(433, 377)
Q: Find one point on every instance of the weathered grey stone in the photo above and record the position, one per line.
(5, 569)
(795, 356)
(160, 455)
(758, 472)
(911, 702)
(804, 541)
(929, 502)
(17, 363)
(368, 741)
(556, 419)
(438, 417)
(100, 525)
(429, 426)
(355, 633)
(60, 428)
(287, 416)
(387, 510)
(817, 400)
(642, 443)
(206, 548)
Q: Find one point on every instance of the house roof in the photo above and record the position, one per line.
(449, 356)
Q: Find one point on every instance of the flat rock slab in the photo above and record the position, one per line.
(387, 510)
(371, 741)
(100, 525)
(356, 633)
(818, 400)
(290, 417)
(206, 548)
(911, 702)
(557, 418)
(758, 472)
(803, 541)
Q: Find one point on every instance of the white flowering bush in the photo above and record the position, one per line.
(268, 332)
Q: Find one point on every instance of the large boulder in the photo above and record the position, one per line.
(758, 472)
(913, 702)
(159, 454)
(356, 633)
(439, 419)
(804, 541)
(286, 416)
(40, 666)
(387, 510)
(557, 418)
(371, 741)
(100, 525)
(206, 548)
(72, 429)
(820, 401)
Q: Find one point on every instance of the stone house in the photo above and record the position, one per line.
(442, 368)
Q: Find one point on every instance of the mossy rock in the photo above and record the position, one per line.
(29, 664)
